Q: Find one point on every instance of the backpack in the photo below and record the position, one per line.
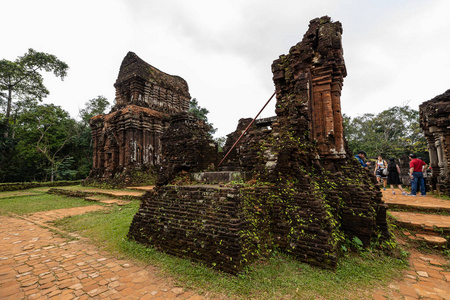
(392, 166)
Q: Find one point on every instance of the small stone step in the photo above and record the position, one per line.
(417, 203)
(429, 239)
(141, 188)
(428, 222)
(94, 199)
(115, 201)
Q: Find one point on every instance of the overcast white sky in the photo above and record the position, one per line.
(396, 52)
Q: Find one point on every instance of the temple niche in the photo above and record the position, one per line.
(129, 137)
(435, 122)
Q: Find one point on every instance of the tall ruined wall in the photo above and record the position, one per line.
(129, 137)
(308, 84)
(308, 145)
(435, 122)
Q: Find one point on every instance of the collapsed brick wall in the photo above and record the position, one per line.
(307, 194)
(245, 156)
(128, 139)
(308, 84)
(435, 123)
(186, 146)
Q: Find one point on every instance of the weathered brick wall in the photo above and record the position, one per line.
(200, 222)
(126, 138)
(435, 122)
(141, 84)
(229, 227)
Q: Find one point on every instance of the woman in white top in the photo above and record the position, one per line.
(379, 167)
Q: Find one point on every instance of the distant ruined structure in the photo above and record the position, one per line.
(129, 137)
(290, 184)
(435, 122)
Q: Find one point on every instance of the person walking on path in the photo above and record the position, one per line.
(425, 175)
(361, 156)
(416, 167)
(393, 176)
(379, 168)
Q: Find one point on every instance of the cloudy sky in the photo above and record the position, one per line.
(397, 51)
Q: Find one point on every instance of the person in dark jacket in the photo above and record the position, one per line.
(394, 176)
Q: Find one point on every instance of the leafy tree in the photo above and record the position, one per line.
(94, 107)
(220, 141)
(22, 78)
(201, 113)
(43, 134)
(393, 132)
(83, 138)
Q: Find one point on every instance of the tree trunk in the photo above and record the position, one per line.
(8, 112)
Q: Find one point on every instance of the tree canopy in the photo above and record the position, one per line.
(201, 113)
(392, 132)
(21, 79)
(48, 144)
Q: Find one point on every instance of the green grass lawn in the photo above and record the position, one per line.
(278, 277)
(35, 200)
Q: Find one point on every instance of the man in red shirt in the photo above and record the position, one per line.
(416, 167)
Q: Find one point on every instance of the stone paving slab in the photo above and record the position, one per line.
(115, 193)
(107, 200)
(38, 264)
(432, 239)
(141, 188)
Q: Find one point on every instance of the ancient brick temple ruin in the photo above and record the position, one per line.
(129, 137)
(295, 186)
(435, 122)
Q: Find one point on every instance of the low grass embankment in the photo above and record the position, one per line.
(278, 277)
(35, 200)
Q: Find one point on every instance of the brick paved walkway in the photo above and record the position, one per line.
(425, 279)
(38, 264)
